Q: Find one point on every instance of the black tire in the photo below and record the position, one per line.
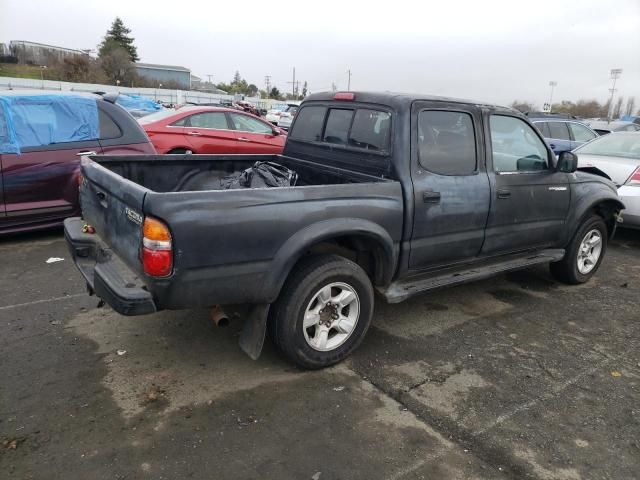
(179, 151)
(305, 281)
(566, 270)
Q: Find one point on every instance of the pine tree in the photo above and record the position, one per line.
(237, 78)
(118, 35)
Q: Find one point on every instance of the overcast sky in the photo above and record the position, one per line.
(490, 50)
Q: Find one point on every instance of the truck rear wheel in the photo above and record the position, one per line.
(584, 253)
(323, 311)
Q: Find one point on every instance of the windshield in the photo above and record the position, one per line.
(154, 117)
(613, 145)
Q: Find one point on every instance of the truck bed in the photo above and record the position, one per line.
(189, 173)
(231, 246)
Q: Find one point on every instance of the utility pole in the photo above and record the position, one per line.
(267, 82)
(615, 75)
(209, 75)
(293, 83)
(349, 81)
(553, 84)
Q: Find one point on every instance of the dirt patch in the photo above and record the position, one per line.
(446, 396)
(544, 472)
(173, 359)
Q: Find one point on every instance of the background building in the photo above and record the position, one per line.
(165, 74)
(39, 53)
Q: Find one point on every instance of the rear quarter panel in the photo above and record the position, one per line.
(237, 246)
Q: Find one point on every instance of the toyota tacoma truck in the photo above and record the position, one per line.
(396, 194)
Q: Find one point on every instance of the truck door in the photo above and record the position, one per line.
(530, 199)
(450, 184)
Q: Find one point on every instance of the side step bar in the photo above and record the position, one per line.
(401, 290)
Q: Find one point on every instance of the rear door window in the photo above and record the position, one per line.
(543, 128)
(308, 124)
(581, 133)
(370, 130)
(338, 124)
(215, 120)
(447, 142)
(559, 130)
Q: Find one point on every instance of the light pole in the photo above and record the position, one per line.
(42, 69)
(553, 84)
(615, 74)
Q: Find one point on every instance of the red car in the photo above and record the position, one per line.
(211, 130)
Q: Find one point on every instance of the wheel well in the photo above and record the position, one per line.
(608, 210)
(363, 250)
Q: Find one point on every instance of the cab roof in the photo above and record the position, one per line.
(399, 100)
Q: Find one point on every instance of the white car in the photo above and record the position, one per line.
(273, 115)
(286, 117)
(618, 156)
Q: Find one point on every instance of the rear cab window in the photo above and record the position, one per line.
(357, 128)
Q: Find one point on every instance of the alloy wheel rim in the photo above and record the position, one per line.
(331, 316)
(589, 251)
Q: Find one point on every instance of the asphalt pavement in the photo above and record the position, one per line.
(513, 377)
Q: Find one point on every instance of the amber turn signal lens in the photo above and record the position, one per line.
(155, 230)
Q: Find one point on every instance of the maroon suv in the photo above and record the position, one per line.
(42, 136)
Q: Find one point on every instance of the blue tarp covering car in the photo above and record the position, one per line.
(138, 105)
(37, 120)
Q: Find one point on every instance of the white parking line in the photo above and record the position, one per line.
(548, 396)
(35, 302)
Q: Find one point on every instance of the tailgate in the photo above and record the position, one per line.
(113, 206)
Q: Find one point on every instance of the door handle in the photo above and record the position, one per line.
(89, 152)
(243, 139)
(504, 193)
(194, 134)
(431, 197)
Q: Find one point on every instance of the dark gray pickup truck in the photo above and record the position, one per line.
(395, 193)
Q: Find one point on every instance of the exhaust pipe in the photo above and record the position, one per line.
(219, 317)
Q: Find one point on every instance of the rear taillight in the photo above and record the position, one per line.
(634, 179)
(157, 249)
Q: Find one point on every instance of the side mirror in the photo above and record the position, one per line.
(276, 131)
(567, 162)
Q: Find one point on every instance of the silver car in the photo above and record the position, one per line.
(604, 128)
(617, 155)
(286, 117)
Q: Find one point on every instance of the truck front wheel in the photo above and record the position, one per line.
(584, 254)
(323, 311)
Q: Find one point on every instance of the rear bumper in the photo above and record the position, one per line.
(106, 275)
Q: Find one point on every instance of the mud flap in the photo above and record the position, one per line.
(254, 330)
